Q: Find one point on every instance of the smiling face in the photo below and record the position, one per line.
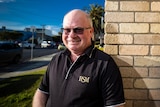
(77, 31)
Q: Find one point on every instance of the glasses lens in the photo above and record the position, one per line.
(66, 30)
(78, 30)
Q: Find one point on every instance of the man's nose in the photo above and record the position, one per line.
(72, 33)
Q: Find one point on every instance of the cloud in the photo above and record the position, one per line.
(50, 29)
(6, 1)
(54, 29)
(12, 25)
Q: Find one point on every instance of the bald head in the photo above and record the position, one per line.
(79, 16)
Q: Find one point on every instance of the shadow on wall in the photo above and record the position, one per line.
(138, 86)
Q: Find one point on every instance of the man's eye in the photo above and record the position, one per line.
(78, 30)
(67, 30)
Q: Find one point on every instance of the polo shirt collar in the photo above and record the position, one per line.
(87, 52)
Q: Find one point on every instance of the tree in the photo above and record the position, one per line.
(12, 35)
(96, 12)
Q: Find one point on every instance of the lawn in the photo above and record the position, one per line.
(18, 91)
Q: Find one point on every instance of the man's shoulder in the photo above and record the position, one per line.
(60, 54)
(100, 55)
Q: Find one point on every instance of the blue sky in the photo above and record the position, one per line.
(19, 14)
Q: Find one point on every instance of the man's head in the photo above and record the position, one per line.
(77, 31)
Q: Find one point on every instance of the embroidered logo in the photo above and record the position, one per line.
(84, 79)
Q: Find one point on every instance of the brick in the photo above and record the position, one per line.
(111, 6)
(146, 103)
(135, 94)
(127, 82)
(155, 28)
(155, 6)
(129, 103)
(146, 39)
(134, 6)
(146, 61)
(148, 83)
(118, 39)
(147, 17)
(134, 28)
(154, 72)
(111, 49)
(123, 60)
(133, 50)
(111, 28)
(134, 72)
(154, 94)
(122, 17)
(155, 50)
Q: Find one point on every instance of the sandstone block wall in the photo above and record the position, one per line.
(132, 37)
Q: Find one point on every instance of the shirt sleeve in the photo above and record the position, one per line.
(112, 86)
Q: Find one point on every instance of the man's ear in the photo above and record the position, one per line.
(92, 33)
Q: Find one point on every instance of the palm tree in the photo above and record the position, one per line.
(96, 12)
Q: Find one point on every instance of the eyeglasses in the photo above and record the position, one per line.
(77, 30)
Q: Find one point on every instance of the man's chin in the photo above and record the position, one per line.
(73, 47)
(73, 44)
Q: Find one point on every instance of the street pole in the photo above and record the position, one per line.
(43, 28)
(33, 30)
(101, 34)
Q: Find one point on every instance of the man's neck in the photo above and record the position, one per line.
(74, 56)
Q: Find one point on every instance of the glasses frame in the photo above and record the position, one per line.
(76, 30)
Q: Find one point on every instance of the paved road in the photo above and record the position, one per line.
(29, 66)
(26, 59)
(37, 52)
(33, 64)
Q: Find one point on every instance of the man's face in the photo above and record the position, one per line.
(77, 33)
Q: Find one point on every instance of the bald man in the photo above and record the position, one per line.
(81, 75)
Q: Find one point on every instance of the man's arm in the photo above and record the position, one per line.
(39, 99)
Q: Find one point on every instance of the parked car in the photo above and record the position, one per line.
(100, 47)
(26, 44)
(48, 44)
(61, 46)
(10, 52)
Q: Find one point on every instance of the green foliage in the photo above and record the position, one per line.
(18, 91)
(96, 12)
(12, 35)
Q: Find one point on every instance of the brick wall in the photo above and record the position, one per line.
(132, 37)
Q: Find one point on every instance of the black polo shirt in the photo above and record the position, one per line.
(93, 80)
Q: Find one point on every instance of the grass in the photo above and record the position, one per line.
(18, 91)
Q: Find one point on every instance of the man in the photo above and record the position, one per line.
(80, 76)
